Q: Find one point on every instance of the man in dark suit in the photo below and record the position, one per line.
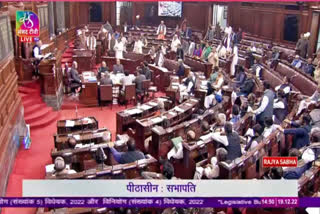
(139, 82)
(146, 71)
(105, 79)
(130, 156)
(118, 68)
(301, 131)
(75, 78)
(181, 69)
(230, 140)
(180, 53)
(102, 69)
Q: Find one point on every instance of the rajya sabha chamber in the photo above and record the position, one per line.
(149, 90)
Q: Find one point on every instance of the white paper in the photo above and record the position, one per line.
(50, 168)
(77, 137)
(69, 123)
(152, 103)
(156, 120)
(178, 109)
(145, 107)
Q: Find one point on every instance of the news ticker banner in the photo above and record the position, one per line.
(160, 202)
(160, 188)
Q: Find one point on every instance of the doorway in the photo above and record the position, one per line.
(95, 11)
(219, 15)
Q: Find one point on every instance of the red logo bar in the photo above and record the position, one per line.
(279, 161)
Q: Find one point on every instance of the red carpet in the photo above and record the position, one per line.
(30, 164)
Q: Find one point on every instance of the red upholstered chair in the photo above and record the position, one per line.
(130, 93)
(105, 94)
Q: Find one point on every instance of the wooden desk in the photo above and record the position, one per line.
(77, 125)
(309, 182)
(130, 170)
(173, 116)
(126, 118)
(85, 59)
(89, 92)
(86, 137)
(199, 65)
(161, 77)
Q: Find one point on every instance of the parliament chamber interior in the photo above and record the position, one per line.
(145, 90)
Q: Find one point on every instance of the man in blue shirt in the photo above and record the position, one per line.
(130, 156)
(308, 68)
(300, 132)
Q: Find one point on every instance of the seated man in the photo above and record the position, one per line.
(309, 67)
(257, 69)
(301, 131)
(187, 87)
(304, 104)
(75, 78)
(245, 89)
(181, 69)
(235, 114)
(240, 76)
(212, 169)
(61, 168)
(214, 98)
(126, 80)
(139, 82)
(280, 107)
(285, 87)
(254, 136)
(105, 80)
(297, 63)
(269, 127)
(230, 140)
(167, 172)
(297, 172)
(102, 69)
(118, 68)
(221, 121)
(130, 156)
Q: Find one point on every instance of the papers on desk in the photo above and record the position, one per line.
(178, 109)
(204, 82)
(206, 138)
(145, 107)
(69, 123)
(173, 113)
(163, 69)
(50, 168)
(189, 104)
(77, 137)
(79, 145)
(153, 103)
(133, 111)
(156, 120)
(86, 120)
(162, 99)
(175, 87)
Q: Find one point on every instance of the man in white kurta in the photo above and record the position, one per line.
(234, 61)
(138, 45)
(174, 44)
(119, 48)
(91, 42)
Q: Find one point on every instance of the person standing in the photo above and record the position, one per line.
(36, 54)
(162, 30)
(119, 48)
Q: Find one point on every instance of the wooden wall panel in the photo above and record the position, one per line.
(197, 14)
(266, 20)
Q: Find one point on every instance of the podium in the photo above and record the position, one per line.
(51, 83)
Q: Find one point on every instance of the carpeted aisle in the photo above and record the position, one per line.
(30, 164)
